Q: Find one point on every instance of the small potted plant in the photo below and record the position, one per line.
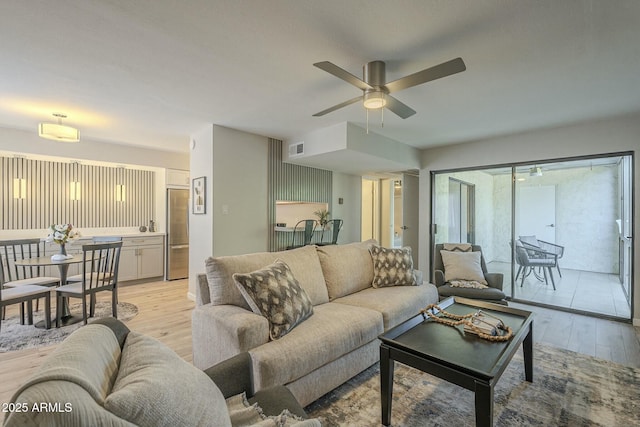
(323, 216)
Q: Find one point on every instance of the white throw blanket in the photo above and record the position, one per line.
(243, 414)
(467, 284)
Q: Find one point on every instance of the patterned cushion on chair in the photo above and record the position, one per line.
(392, 267)
(274, 293)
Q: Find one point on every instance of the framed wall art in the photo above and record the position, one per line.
(199, 195)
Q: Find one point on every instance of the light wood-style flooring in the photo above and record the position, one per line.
(165, 314)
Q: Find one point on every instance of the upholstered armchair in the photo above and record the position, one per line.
(493, 291)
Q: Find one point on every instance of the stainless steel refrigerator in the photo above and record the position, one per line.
(177, 234)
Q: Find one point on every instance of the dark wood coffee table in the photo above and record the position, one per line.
(448, 353)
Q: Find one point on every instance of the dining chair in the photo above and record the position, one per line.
(100, 239)
(14, 276)
(334, 225)
(26, 294)
(100, 263)
(306, 225)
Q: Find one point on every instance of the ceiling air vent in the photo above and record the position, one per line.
(296, 149)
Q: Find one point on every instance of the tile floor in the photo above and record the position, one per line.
(576, 289)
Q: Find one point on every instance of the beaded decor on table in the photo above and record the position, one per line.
(476, 323)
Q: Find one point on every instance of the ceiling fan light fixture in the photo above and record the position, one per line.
(374, 100)
(58, 131)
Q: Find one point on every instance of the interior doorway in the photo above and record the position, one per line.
(536, 215)
(462, 196)
(390, 210)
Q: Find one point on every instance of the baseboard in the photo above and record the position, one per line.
(191, 296)
(636, 322)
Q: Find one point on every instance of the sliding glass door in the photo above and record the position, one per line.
(572, 217)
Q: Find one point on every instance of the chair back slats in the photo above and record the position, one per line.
(14, 250)
(100, 266)
(308, 227)
(336, 225)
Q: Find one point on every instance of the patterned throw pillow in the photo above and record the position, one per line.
(392, 267)
(274, 293)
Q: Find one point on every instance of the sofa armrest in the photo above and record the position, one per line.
(222, 331)
(494, 280)
(233, 376)
(439, 277)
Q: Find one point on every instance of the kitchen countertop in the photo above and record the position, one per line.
(85, 234)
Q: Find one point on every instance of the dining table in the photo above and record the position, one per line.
(63, 266)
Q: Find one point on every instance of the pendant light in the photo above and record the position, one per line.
(58, 131)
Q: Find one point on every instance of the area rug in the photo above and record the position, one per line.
(568, 389)
(14, 336)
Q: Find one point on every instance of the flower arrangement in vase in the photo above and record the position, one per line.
(61, 234)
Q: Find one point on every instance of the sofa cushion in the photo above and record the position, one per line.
(333, 331)
(274, 293)
(304, 264)
(163, 389)
(77, 407)
(89, 358)
(346, 268)
(392, 267)
(396, 304)
(488, 294)
(462, 266)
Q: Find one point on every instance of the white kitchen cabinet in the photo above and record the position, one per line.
(178, 178)
(141, 258)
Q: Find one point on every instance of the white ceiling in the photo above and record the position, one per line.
(151, 72)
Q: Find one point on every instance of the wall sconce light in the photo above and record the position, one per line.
(19, 188)
(120, 193)
(74, 187)
(74, 190)
(120, 187)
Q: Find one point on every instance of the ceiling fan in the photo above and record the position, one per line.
(376, 92)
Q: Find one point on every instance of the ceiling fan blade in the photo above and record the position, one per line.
(336, 107)
(401, 109)
(342, 74)
(443, 70)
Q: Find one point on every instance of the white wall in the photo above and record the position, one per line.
(240, 211)
(349, 188)
(618, 134)
(200, 226)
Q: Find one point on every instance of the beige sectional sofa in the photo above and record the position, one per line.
(335, 343)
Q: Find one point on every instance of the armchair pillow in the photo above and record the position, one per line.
(392, 267)
(274, 293)
(463, 269)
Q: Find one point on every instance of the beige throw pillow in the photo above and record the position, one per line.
(462, 266)
(392, 267)
(274, 293)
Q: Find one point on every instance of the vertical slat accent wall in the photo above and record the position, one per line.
(48, 198)
(293, 183)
